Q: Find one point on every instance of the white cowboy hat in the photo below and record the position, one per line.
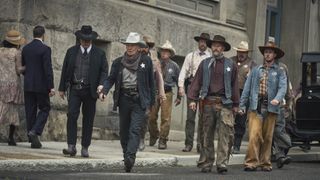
(133, 38)
(243, 47)
(168, 46)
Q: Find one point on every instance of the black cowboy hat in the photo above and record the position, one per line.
(273, 46)
(204, 36)
(219, 39)
(86, 33)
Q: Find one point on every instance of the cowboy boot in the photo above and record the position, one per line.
(72, 151)
(84, 152)
(162, 144)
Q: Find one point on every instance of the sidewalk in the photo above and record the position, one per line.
(108, 154)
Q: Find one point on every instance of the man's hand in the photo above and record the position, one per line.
(52, 92)
(61, 94)
(181, 91)
(275, 102)
(235, 110)
(99, 89)
(193, 106)
(102, 96)
(177, 101)
(241, 112)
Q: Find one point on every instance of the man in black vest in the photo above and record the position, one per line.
(84, 70)
(38, 85)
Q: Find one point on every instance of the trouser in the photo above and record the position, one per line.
(76, 98)
(36, 120)
(281, 140)
(166, 108)
(261, 128)
(215, 115)
(239, 128)
(132, 118)
(190, 125)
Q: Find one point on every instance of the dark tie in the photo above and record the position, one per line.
(201, 53)
(85, 52)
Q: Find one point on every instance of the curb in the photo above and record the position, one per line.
(80, 164)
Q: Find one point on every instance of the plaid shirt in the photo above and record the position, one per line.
(264, 82)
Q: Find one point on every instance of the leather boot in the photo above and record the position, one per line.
(84, 152)
(72, 151)
(162, 144)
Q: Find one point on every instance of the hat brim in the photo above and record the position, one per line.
(172, 51)
(226, 45)
(17, 42)
(242, 50)
(82, 36)
(278, 51)
(197, 38)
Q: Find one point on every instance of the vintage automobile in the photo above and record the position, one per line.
(304, 128)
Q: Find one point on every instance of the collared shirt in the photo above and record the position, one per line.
(217, 78)
(88, 49)
(170, 72)
(191, 64)
(264, 81)
(39, 39)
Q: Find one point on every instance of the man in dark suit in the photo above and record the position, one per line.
(84, 70)
(38, 85)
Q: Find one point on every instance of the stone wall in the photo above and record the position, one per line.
(113, 20)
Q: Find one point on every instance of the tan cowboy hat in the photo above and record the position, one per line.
(273, 46)
(149, 40)
(242, 47)
(204, 36)
(168, 46)
(14, 37)
(86, 33)
(219, 39)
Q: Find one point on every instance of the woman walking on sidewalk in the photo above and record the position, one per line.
(11, 92)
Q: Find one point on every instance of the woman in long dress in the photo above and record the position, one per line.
(11, 92)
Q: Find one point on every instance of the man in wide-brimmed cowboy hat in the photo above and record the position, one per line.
(84, 70)
(216, 83)
(132, 75)
(159, 83)
(38, 84)
(170, 71)
(188, 71)
(263, 92)
(245, 64)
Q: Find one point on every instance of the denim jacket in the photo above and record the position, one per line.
(277, 87)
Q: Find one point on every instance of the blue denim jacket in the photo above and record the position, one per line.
(277, 87)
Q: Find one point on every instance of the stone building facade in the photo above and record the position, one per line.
(293, 24)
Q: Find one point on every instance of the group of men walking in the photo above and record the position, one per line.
(228, 92)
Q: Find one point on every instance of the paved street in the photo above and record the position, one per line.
(295, 171)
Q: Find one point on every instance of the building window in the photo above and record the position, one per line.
(273, 20)
(207, 8)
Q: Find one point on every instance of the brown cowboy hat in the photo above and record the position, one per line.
(273, 46)
(86, 33)
(14, 37)
(204, 36)
(219, 39)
